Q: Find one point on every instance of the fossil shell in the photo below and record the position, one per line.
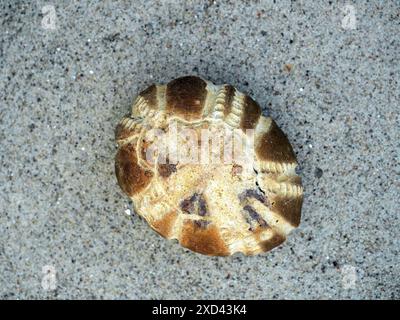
(247, 204)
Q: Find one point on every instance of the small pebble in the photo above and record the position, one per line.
(318, 172)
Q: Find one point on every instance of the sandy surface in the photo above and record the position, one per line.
(66, 82)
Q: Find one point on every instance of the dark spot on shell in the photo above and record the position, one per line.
(202, 206)
(255, 215)
(236, 170)
(165, 170)
(253, 193)
(196, 204)
(201, 223)
(187, 205)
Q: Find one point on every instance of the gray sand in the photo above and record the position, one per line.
(65, 83)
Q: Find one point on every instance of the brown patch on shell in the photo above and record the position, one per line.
(251, 114)
(203, 240)
(229, 94)
(273, 242)
(164, 226)
(289, 207)
(131, 177)
(186, 96)
(274, 146)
